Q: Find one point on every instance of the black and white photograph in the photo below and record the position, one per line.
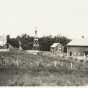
(43, 43)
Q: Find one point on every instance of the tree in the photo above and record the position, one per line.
(26, 41)
(12, 41)
(45, 43)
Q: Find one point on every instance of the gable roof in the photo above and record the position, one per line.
(78, 42)
(54, 44)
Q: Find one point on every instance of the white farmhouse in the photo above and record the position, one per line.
(77, 47)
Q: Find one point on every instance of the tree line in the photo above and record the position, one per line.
(44, 42)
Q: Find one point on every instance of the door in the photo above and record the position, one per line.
(70, 53)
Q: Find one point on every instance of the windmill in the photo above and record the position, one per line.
(35, 41)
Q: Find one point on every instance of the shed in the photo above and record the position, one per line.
(56, 48)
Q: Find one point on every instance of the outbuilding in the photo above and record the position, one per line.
(56, 48)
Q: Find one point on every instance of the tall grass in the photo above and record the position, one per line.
(52, 68)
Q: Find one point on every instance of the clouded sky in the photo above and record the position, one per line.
(66, 17)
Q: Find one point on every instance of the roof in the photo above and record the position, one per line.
(54, 44)
(78, 42)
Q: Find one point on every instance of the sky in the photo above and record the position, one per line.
(50, 17)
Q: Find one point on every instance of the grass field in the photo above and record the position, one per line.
(22, 69)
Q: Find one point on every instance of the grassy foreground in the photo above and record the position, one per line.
(22, 69)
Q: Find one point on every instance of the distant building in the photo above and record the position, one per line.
(77, 47)
(3, 43)
(56, 48)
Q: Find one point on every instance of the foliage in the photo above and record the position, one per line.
(14, 43)
(26, 41)
(35, 70)
(45, 42)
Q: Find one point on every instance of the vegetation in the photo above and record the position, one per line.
(22, 69)
(45, 42)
